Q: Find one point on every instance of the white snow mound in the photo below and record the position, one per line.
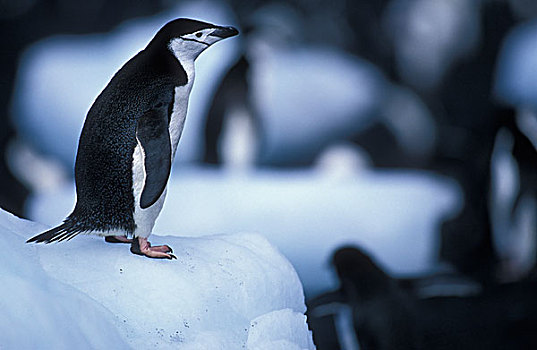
(223, 292)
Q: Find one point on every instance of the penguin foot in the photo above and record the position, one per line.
(117, 239)
(140, 246)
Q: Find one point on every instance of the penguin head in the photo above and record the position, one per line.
(187, 38)
(360, 276)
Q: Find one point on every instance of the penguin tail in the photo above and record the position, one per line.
(65, 231)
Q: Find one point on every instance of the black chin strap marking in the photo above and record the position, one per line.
(201, 42)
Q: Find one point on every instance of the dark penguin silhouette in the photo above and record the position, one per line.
(383, 313)
(232, 94)
(443, 310)
(130, 137)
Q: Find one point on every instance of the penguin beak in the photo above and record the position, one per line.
(224, 32)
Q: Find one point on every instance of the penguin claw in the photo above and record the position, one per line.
(161, 248)
(140, 246)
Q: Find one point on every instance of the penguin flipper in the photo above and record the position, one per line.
(154, 137)
(57, 234)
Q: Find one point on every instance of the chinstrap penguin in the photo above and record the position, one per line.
(130, 137)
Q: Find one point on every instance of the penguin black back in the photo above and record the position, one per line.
(103, 169)
(130, 136)
(144, 83)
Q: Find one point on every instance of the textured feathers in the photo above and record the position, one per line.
(134, 109)
(65, 231)
(103, 169)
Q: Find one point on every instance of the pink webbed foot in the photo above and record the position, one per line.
(140, 246)
(117, 239)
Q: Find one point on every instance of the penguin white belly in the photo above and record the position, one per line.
(144, 219)
(178, 117)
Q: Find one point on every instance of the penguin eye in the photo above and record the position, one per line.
(198, 34)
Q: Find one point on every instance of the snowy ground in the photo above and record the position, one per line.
(223, 292)
(306, 214)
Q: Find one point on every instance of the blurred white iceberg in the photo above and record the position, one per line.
(306, 214)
